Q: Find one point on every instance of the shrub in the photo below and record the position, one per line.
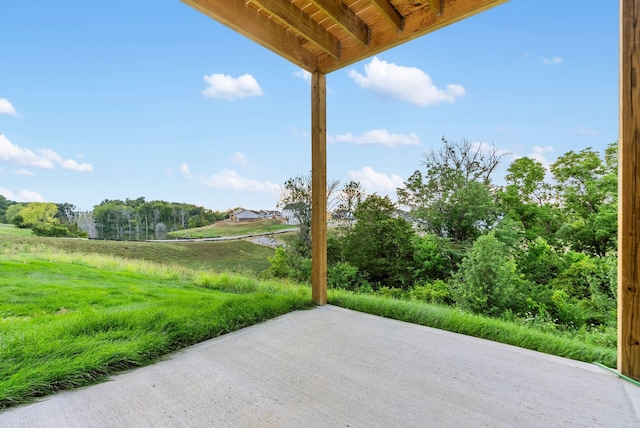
(432, 292)
(487, 280)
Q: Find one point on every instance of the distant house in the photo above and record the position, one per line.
(269, 214)
(290, 214)
(244, 215)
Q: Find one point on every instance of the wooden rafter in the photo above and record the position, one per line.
(385, 36)
(326, 35)
(238, 16)
(345, 18)
(436, 6)
(390, 13)
(293, 17)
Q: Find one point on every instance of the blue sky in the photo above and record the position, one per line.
(121, 99)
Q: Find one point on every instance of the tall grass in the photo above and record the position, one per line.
(454, 320)
(70, 319)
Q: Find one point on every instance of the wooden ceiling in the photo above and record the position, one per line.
(326, 35)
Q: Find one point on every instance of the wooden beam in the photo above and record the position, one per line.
(290, 15)
(436, 6)
(629, 192)
(247, 21)
(385, 35)
(390, 13)
(319, 188)
(345, 18)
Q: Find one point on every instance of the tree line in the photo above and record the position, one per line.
(131, 219)
(533, 249)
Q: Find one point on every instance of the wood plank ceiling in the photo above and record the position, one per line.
(327, 35)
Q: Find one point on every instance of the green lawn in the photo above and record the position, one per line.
(11, 230)
(231, 228)
(70, 319)
(73, 311)
(234, 256)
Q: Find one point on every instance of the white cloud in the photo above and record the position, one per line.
(405, 83)
(185, 172)
(23, 196)
(24, 172)
(554, 60)
(29, 196)
(230, 88)
(296, 131)
(304, 75)
(378, 136)
(541, 150)
(72, 165)
(7, 108)
(376, 182)
(42, 158)
(230, 180)
(9, 152)
(238, 158)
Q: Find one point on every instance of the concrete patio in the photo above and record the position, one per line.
(333, 367)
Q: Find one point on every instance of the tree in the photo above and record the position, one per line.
(296, 196)
(487, 280)
(588, 188)
(527, 199)
(41, 218)
(12, 214)
(381, 244)
(454, 198)
(349, 199)
(4, 204)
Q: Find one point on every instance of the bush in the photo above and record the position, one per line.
(487, 280)
(346, 277)
(278, 265)
(433, 292)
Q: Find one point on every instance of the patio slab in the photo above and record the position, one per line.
(330, 367)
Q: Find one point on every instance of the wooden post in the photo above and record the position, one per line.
(629, 192)
(319, 188)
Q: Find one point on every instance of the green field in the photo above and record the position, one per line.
(11, 230)
(235, 256)
(69, 319)
(231, 228)
(73, 311)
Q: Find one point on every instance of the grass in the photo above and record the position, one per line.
(74, 311)
(234, 256)
(232, 228)
(11, 230)
(454, 320)
(68, 320)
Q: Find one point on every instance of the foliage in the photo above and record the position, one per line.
(380, 244)
(278, 266)
(137, 219)
(453, 198)
(344, 275)
(435, 257)
(452, 319)
(296, 197)
(349, 199)
(527, 200)
(487, 281)
(12, 214)
(588, 185)
(4, 205)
